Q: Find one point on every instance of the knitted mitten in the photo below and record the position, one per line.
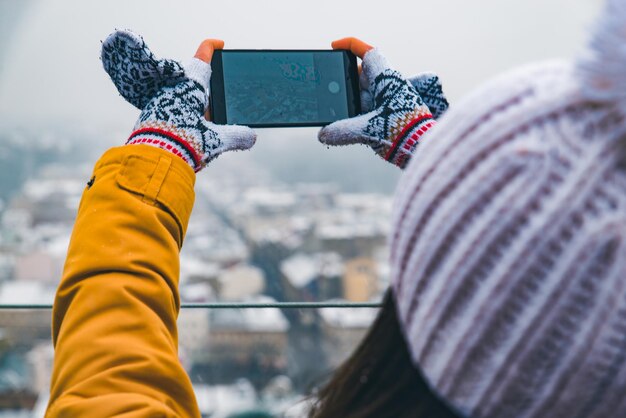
(429, 88)
(172, 99)
(396, 115)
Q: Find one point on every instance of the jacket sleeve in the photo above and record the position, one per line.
(114, 316)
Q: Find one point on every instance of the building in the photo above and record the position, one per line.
(343, 330)
(225, 399)
(360, 279)
(250, 343)
(312, 276)
(239, 283)
(22, 327)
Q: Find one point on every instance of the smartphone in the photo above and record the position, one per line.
(281, 88)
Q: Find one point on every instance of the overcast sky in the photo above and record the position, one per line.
(51, 68)
(50, 73)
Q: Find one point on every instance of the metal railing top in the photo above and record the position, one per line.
(229, 305)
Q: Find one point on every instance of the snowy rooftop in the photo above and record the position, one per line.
(196, 292)
(347, 231)
(302, 269)
(194, 267)
(241, 282)
(40, 189)
(263, 197)
(371, 201)
(222, 400)
(255, 320)
(26, 292)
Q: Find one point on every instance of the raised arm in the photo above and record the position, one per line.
(114, 317)
(396, 112)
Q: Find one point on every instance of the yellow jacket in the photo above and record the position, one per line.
(114, 317)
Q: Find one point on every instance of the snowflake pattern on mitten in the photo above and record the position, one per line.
(429, 88)
(173, 99)
(400, 116)
(135, 71)
(174, 120)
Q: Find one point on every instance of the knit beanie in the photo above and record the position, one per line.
(508, 247)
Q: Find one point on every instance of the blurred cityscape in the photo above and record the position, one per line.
(258, 232)
(251, 238)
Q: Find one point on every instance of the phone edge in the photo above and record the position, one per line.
(217, 88)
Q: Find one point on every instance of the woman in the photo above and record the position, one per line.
(508, 295)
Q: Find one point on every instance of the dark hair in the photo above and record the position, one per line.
(379, 379)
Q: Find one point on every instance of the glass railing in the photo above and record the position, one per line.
(262, 357)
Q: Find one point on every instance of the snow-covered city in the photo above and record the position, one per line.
(251, 239)
(452, 246)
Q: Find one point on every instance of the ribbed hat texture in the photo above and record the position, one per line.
(509, 241)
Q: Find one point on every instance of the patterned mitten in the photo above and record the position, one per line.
(396, 116)
(429, 88)
(172, 99)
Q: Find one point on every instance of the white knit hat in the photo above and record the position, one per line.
(509, 241)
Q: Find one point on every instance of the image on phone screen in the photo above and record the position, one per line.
(284, 87)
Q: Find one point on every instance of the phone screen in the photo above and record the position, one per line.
(284, 87)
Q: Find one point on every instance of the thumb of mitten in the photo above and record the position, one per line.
(232, 137)
(347, 131)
